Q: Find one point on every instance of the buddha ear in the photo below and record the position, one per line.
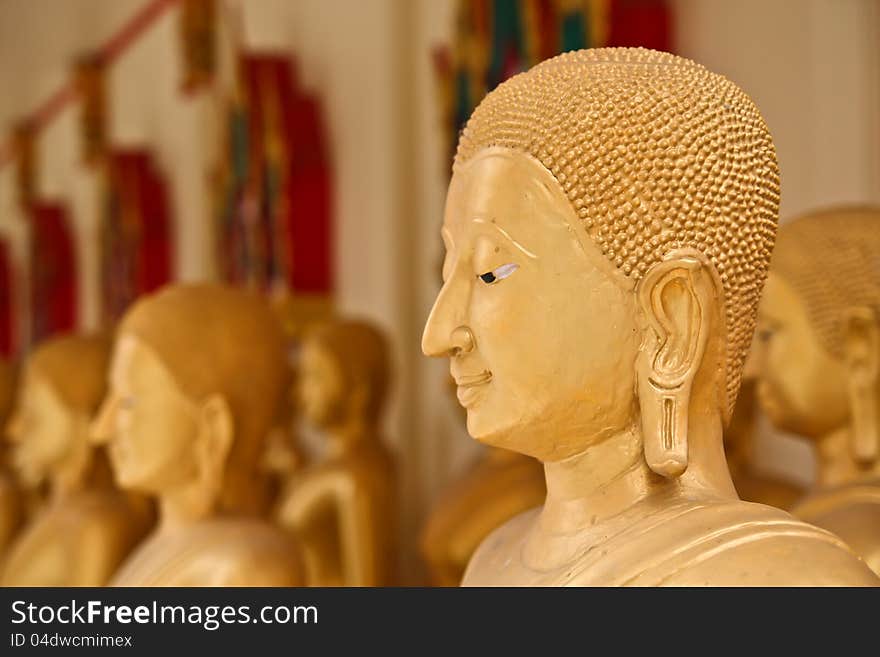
(675, 297)
(214, 442)
(862, 359)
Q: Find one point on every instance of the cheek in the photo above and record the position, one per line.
(804, 386)
(51, 440)
(551, 341)
(154, 439)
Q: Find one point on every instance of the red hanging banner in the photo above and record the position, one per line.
(274, 209)
(136, 244)
(53, 275)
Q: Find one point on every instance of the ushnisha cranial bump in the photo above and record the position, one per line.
(655, 153)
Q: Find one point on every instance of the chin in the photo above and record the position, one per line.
(507, 435)
(30, 476)
(125, 480)
(130, 478)
(775, 410)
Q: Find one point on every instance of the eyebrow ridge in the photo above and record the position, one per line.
(481, 220)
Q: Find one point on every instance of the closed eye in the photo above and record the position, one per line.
(498, 274)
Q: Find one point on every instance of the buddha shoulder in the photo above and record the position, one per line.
(217, 553)
(852, 512)
(687, 543)
(746, 544)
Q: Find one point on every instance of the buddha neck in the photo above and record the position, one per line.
(740, 432)
(610, 477)
(738, 453)
(598, 483)
(835, 464)
(186, 505)
(73, 474)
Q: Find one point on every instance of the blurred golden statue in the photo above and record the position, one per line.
(819, 364)
(12, 502)
(752, 483)
(344, 507)
(283, 458)
(86, 527)
(608, 228)
(498, 486)
(195, 381)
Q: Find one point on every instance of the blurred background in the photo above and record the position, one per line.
(303, 147)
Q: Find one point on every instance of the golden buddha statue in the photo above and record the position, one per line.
(12, 503)
(499, 485)
(753, 483)
(344, 506)
(86, 527)
(195, 381)
(819, 364)
(608, 227)
(284, 458)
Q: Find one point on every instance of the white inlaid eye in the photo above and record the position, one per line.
(497, 274)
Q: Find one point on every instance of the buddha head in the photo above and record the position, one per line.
(342, 374)
(608, 228)
(63, 383)
(195, 381)
(818, 350)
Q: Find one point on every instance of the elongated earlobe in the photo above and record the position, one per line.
(664, 429)
(674, 297)
(214, 444)
(862, 344)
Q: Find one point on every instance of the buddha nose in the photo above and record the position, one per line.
(446, 331)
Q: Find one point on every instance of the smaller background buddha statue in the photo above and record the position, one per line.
(286, 453)
(195, 382)
(87, 526)
(818, 352)
(344, 505)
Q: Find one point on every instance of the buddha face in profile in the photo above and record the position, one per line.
(40, 430)
(607, 228)
(147, 422)
(195, 383)
(342, 373)
(321, 387)
(64, 382)
(515, 256)
(818, 356)
(801, 387)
